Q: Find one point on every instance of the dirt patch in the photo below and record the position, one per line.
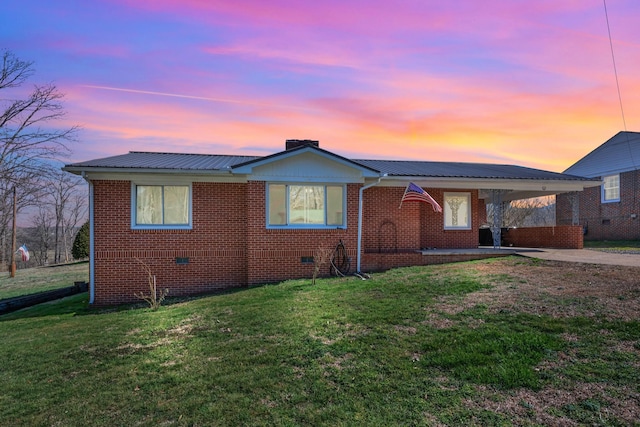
(553, 288)
(551, 406)
(560, 290)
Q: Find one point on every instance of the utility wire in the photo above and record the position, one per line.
(615, 69)
(624, 121)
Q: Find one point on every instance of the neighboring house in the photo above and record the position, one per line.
(609, 211)
(208, 222)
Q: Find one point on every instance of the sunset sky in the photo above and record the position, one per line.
(500, 81)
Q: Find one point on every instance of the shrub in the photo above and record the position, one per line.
(80, 248)
(153, 299)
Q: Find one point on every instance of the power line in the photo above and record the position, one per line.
(624, 121)
(615, 69)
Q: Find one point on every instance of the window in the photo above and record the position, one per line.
(161, 206)
(611, 189)
(457, 211)
(304, 205)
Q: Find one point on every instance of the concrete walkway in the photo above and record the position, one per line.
(581, 255)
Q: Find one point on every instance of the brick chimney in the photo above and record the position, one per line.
(295, 143)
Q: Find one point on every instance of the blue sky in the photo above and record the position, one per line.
(522, 82)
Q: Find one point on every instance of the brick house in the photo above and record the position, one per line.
(609, 211)
(209, 222)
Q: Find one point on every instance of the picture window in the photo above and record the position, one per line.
(305, 205)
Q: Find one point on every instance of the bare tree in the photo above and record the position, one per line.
(534, 212)
(28, 138)
(68, 207)
(41, 235)
(76, 214)
(61, 210)
(27, 194)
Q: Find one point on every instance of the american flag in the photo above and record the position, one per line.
(24, 252)
(414, 193)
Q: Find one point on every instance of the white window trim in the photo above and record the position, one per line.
(602, 190)
(469, 212)
(307, 226)
(135, 226)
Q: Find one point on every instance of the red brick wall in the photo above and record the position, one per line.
(216, 246)
(435, 236)
(388, 228)
(564, 236)
(482, 213)
(606, 221)
(230, 246)
(276, 254)
(563, 209)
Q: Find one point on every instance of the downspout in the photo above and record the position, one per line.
(360, 219)
(91, 248)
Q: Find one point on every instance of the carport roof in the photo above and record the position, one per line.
(411, 168)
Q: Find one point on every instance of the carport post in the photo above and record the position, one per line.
(496, 223)
(574, 200)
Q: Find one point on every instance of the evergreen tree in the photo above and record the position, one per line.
(80, 249)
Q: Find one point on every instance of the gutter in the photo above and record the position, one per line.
(91, 240)
(361, 191)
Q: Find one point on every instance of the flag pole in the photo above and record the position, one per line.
(402, 199)
(12, 272)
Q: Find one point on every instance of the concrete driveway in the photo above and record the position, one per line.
(581, 255)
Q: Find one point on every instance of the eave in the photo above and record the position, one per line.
(115, 174)
(513, 189)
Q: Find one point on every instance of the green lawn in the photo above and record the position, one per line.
(408, 347)
(32, 280)
(621, 246)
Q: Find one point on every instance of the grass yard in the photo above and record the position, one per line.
(32, 280)
(503, 342)
(617, 246)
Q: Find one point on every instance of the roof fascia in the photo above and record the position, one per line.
(152, 175)
(78, 170)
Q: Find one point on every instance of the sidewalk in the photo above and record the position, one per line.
(581, 255)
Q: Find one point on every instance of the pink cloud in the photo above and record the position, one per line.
(521, 83)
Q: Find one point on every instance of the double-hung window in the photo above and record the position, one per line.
(161, 206)
(611, 189)
(305, 205)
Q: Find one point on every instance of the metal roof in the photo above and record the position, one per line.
(462, 170)
(619, 154)
(400, 168)
(146, 160)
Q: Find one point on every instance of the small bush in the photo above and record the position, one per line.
(80, 248)
(154, 299)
